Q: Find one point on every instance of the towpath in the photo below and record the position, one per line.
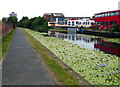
(22, 64)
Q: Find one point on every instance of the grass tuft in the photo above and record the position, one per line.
(4, 43)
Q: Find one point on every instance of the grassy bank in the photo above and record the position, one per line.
(61, 75)
(5, 43)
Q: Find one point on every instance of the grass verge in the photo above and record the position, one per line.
(62, 76)
(4, 43)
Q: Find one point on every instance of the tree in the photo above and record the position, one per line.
(36, 23)
(4, 19)
(22, 22)
(24, 18)
(12, 19)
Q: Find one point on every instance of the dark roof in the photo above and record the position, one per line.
(58, 14)
(55, 14)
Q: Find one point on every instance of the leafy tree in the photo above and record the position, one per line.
(36, 23)
(21, 23)
(24, 18)
(12, 19)
(4, 19)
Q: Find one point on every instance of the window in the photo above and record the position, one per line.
(51, 23)
(73, 23)
(107, 23)
(112, 13)
(95, 16)
(98, 15)
(88, 23)
(117, 13)
(92, 23)
(98, 23)
(69, 23)
(95, 23)
(106, 14)
(65, 22)
(76, 22)
(79, 23)
(102, 15)
(83, 23)
(113, 22)
(102, 23)
(62, 22)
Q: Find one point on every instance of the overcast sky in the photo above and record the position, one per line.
(70, 8)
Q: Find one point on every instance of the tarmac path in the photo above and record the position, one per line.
(22, 64)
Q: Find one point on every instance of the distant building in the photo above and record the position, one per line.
(53, 16)
(119, 5)
(13, 14)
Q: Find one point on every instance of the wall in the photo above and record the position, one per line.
(5, 28)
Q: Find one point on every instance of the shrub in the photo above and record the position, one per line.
(42, 28)
(115, 28)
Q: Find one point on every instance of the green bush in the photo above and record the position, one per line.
(42, 28)
(115, 28)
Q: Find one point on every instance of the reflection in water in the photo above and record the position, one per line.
(84, 42)
(92, 43)
(108, 47)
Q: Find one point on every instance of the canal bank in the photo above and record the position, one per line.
(102, 33)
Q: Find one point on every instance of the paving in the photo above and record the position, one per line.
(22, 64)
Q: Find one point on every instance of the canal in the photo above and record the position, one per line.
(91, 43)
